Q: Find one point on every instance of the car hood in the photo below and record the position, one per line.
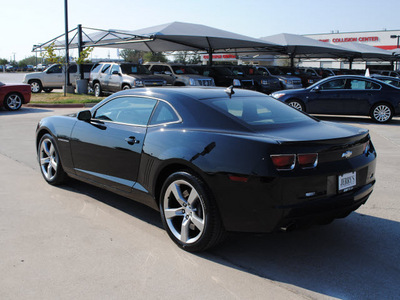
(286, 77)
(293, 91)
(194, 76)
(144, 76)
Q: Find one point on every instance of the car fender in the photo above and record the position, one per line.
(60, 127)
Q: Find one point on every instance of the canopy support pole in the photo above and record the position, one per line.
(80, 48)
(67, 83)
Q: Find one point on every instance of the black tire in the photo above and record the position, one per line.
(126, 87)
(381, 113)
(296, 104)
(97, 90)
(193, 222)
(36, 86)
(13, 101)
(47, 90)
(49, 161)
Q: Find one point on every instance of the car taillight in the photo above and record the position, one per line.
(307, 160)
(366, 147)
(284, 161)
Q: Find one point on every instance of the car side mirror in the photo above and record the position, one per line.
(317, 89)
(85, 115)
(115, 73)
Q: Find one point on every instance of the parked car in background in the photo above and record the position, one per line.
(29, 68)
(54, 78)
(212, 160)
(12, 96)
(346, 95)
(286, 81)
(262, 82)
(113, 77)
(40, 67)
(224, 76)
(11, 68)
(395, 81)
(307, 79)
(179, 74)
(324, 72)
(386, 73)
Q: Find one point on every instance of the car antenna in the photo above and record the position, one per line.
(230, 91)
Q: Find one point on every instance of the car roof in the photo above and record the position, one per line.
(195, 93)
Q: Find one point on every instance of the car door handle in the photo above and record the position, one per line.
(132, 140)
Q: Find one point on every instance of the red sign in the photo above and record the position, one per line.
(352, 39)
(219, 56)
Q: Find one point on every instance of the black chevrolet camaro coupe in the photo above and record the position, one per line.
(346, 95)
(212, 160)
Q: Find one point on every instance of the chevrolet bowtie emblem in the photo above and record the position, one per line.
(347, 154)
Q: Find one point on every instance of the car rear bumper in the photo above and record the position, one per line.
(323, 210)
(267, 204)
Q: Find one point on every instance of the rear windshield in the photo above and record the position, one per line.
(258, 112)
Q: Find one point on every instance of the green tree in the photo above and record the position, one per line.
(83, 57)
(31, 60)
(155, 56)
(187, 57)
(131, 55)
(50, 55)
(3, 61)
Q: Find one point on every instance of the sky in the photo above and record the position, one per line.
(24, 23)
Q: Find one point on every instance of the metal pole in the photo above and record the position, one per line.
(397, 61)
(66, 47)
(80, 48)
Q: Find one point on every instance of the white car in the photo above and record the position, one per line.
(53, 77)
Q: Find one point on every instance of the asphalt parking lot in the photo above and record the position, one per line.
(80, 242)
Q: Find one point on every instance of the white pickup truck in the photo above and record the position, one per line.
(53, 77)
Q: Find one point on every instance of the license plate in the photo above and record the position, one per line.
(347, 181)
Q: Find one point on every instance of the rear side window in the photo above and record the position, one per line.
(356, 84)
(258, 111)
(163, 114)
(73, 69)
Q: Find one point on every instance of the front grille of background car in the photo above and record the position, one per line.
(205, 82)
(296, 81)
(152, 82)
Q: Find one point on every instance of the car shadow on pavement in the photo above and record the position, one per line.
(131, 207)
(23, 111)
(352, 258)
(356, 120)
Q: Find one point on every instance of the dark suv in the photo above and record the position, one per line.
(179, 74)
(262, 82)
(286, 81)
(113, 77)
(307, 78)
(224, 76)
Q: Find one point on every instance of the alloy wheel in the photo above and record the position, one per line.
(35, 87)
(13, 102)
(296, 105)
(184, 212)
(48, 159)
(382, 113)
